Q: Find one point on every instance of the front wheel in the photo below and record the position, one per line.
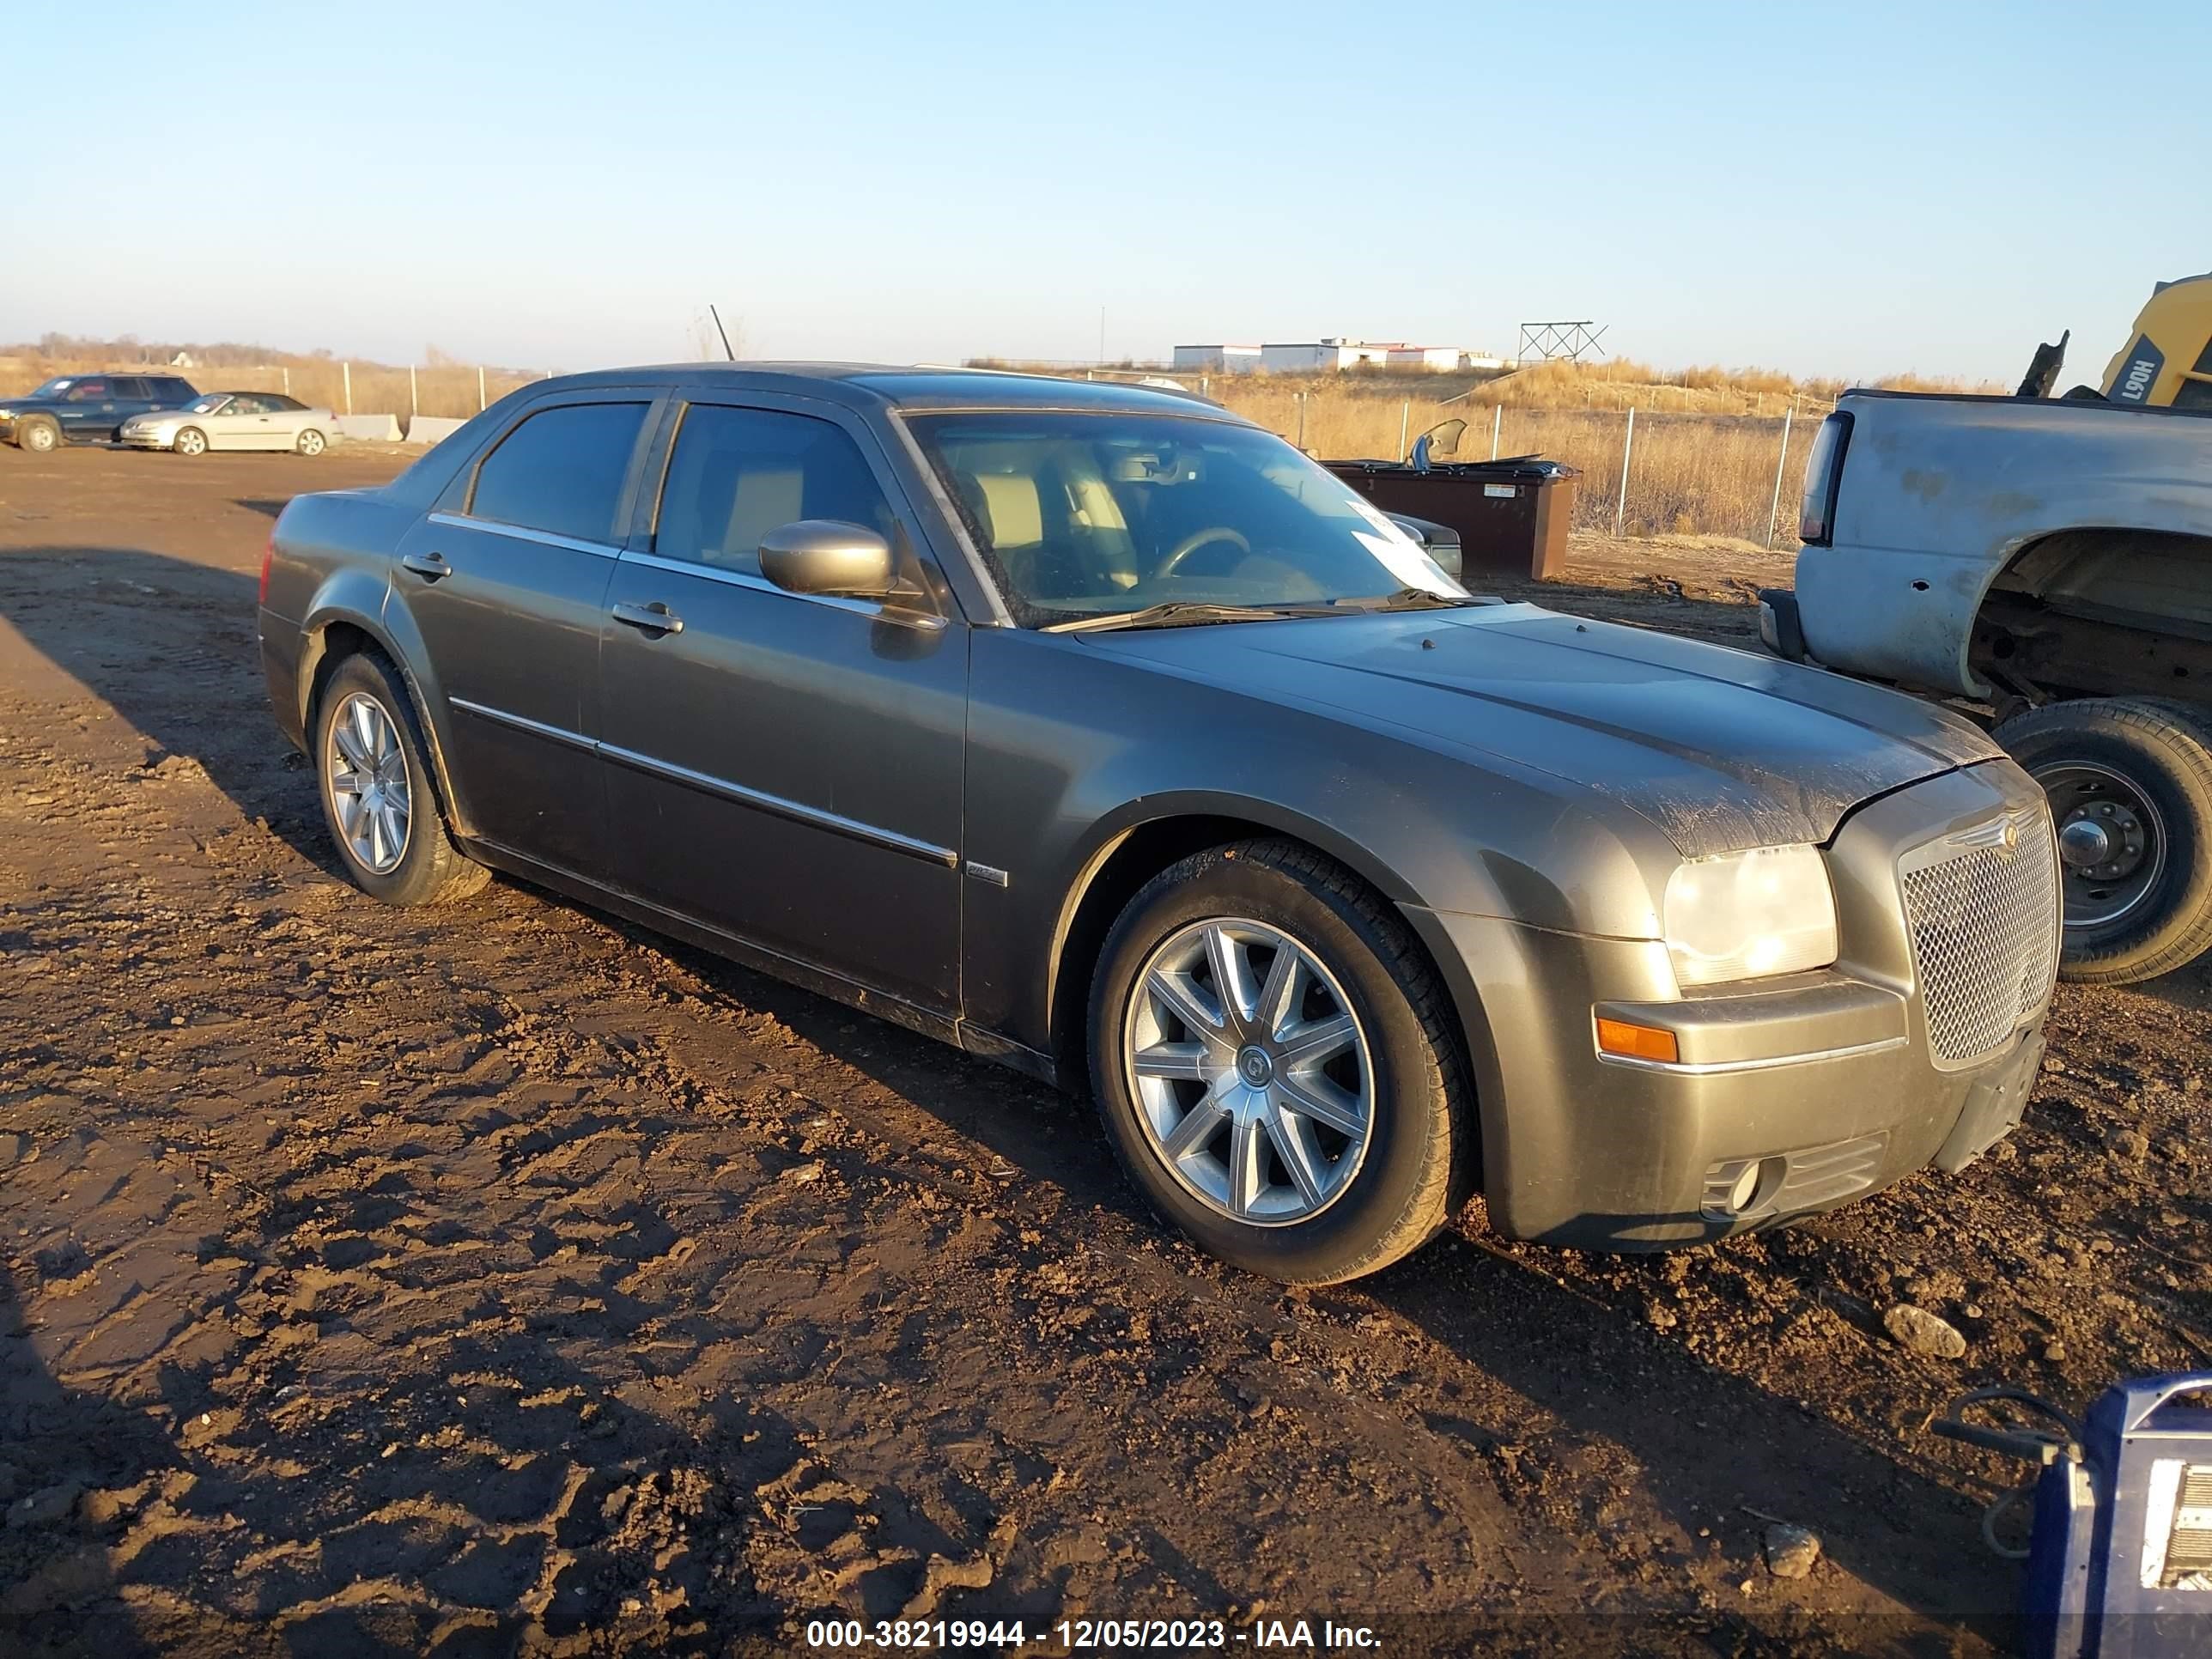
(310, 442)
(2130, 782)
(191, 441)
(1275, 1063)
(40, 436)
(376, 790)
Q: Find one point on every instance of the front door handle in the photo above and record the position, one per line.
(428, 565)
(654, 618)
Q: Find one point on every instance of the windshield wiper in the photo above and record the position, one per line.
(1173, 612)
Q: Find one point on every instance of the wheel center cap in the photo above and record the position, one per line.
(2084, 842)
(1254, 1067)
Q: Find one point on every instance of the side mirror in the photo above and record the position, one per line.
(822, 555)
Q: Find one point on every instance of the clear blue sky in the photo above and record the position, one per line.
(1841, 190)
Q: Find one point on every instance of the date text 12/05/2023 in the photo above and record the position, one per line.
(1086, 1635)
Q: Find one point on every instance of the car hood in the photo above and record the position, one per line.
(1721, 749)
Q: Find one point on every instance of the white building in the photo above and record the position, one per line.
(1218, 359)
(1432, 357)
(1304, 356)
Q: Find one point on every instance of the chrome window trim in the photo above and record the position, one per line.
(522, 533)
(1763, 1063)
(874, 609)
(836, 823)
(523, 723)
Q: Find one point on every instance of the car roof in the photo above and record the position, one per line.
(914, 387)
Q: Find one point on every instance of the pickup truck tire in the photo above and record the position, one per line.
(2137, 771)
(404, 857)
(38, 434)
(1323, 1204)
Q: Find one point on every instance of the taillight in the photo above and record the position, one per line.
(267, 552)
(1824, 473)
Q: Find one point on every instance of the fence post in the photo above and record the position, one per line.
(1302, 419)
(481, 405)
(414, 403)
(1627, 444)
(1496, 425)
(1405, 417)
(346, 369)
(1781, 461)
(287, 379)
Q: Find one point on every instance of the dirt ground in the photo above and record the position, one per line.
(507, 1279)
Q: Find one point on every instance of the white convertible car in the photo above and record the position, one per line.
(232, 420)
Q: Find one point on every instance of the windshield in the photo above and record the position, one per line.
(208, 404)
(54, 388)
(1097, 515)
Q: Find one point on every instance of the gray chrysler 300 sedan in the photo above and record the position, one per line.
(1096, 731)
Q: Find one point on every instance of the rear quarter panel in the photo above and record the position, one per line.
(1939, 495)
(329, 563)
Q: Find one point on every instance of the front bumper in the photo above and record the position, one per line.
(1791, 1095)
(144, 439)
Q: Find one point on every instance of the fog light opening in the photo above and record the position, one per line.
(1746, 1189)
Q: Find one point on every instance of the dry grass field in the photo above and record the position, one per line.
(1708, 440)
(1690, 473)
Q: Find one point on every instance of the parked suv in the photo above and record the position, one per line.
(83, 408)
(1098, 731)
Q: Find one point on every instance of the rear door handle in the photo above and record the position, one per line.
(654, 618)
(428, 565)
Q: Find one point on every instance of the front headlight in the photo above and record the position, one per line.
(1744, 916)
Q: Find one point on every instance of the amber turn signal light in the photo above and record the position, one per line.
(1617, 1036)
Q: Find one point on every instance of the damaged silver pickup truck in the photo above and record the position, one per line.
(2050, 562)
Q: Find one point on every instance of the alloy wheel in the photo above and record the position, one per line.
(1252, 1076)
(370, 795)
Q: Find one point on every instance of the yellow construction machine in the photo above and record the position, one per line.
(2168, 362)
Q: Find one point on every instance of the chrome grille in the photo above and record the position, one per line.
(1982, 905)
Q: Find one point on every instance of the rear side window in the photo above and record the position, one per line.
(562, 471)
(133, 390)
(737, 474)
(181, 391)
(281, 405)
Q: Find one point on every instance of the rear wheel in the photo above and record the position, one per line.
(377, 796)
(191, 441)
(2130, 782)
(311, 443)
(38, 435)
(1275, 1065)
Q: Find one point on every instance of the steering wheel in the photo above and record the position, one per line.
(1198, 538)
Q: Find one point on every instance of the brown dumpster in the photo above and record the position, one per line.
(1512, 515)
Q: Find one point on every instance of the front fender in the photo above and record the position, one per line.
(1060, 780)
